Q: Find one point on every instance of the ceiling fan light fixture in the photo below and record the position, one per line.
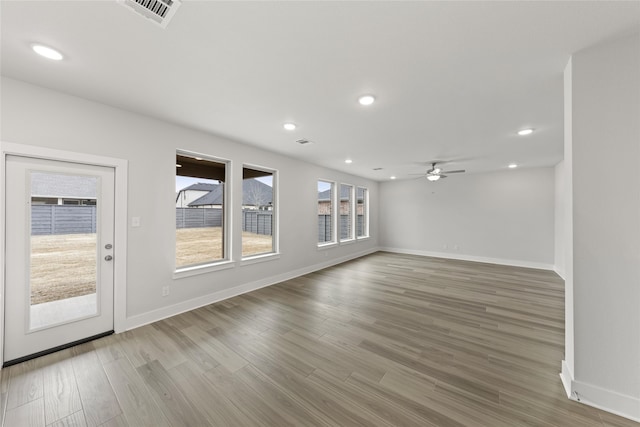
(433, 177)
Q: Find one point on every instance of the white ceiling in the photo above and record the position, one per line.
(453, 80)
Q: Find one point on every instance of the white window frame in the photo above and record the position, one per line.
(227, 261)
(352, 238)
(365, 213)
(334, 217)
(275, 226)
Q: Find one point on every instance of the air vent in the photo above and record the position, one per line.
(158, 11)
(304, 141)
(377, 169)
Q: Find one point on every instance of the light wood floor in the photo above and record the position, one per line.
(385, 340)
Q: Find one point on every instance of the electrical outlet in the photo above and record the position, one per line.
(165, 291)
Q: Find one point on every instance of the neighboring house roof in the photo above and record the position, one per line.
(324, 196)
(213, 197)
(58, 185)
(252, 191)
(201, 187)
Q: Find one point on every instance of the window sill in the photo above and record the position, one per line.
(260, 258)
(347, 242)
(329, 245)
(363, 238)
(202, 269)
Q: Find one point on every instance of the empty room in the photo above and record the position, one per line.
(326, 213)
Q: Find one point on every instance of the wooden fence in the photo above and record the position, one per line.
(198, 217)
(62, 219)
(324, 227)
(259, 222)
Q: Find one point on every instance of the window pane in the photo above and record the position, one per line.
(362, 225)
(63, 259)
(199, 211)
(257, 212)
(325, 212)
(346, 212)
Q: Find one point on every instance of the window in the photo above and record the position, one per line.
(258, 210)
(325, 212)
(362, 212)
(200, 210)
(346, 212)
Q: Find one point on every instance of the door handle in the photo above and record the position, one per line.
(108, 258)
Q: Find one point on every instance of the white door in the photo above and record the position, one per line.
(59, 254)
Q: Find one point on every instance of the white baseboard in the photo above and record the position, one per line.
(607, 400)
(499, 261)
(567, 378)
(181, 307)
(559, 272)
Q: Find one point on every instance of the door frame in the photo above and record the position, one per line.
(120, 167)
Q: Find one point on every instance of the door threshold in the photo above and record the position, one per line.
(54, 349)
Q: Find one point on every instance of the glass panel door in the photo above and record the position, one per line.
(59, 254)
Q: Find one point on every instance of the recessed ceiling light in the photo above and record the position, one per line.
(513, 166)
(524, 132)
(289, 126)
(392, 177)
(348, 161)
(366, 99)
(47, 52)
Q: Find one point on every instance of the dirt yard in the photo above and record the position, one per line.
(64, 265)
(200, 245)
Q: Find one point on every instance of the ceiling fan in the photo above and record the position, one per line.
(435, 173)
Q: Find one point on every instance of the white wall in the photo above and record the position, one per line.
(606, 224)
(503, 217)
(564, 219)
(36, 116)
(559, 219)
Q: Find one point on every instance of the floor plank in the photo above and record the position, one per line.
(96, 394)
(138, 408)
(31, 414)
(61, 396)
(74, 420)
(25, 383)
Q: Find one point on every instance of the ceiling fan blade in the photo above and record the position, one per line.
(458, 171)
(421, 174)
